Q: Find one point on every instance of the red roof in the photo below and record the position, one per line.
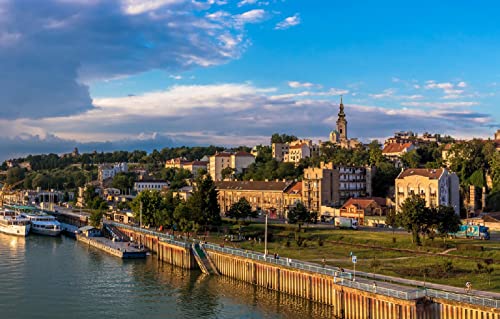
(425, 172)
(365, 202)
(296, 188)
(298, 146)
(223, 154)
(396, 148)
(242, 153)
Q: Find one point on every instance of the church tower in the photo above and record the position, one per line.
(342, 123)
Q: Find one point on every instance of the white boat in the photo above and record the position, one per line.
(13, 224)
(43, 224)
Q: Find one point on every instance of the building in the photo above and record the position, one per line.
(195, 166)
(395, 151)
(293, 196)
(339, 136)
(436, 186)
(293, 152)
(264, 196)
(178, 162)
(142, 185)
(330, 185)
(280, 150)
(106, 171)
(184, 192)
(238, 162)
(360, 208)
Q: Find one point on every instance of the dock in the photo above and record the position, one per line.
(124, 250)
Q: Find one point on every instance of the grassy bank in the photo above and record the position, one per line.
(383, 252)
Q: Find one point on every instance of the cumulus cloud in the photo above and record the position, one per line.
(297, 84)
(288, 22)
(252, 16)
(391, 94)
(449, 89)
(50, 53)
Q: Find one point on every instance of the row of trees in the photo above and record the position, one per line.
(420, 220)
(200, 210)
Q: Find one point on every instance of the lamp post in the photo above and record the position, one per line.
(265, 239)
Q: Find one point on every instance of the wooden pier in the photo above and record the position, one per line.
(348, 299)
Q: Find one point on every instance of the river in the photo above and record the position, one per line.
(44, 277)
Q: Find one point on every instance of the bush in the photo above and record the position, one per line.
(375, 263)
(320, 241)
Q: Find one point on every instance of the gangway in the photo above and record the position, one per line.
(203, 260)
(115, 233)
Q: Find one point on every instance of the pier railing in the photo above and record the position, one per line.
(341, 278)
(163, 237)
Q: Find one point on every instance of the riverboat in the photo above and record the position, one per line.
(13, 224)
(43, 224)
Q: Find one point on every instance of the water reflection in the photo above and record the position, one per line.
(42, 277)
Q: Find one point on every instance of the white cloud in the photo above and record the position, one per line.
(449, 89)
(441, 105)
(245, 2)
(78, 42)
(296, 84)
(288, 22)
(175, 77)
(385, 94)
(252, 16)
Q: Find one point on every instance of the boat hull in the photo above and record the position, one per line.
(21, 231)
(46, 232)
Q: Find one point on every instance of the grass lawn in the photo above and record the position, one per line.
(378, 252)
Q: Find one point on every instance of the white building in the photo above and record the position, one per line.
(293, 152)
(149, 185)
(436, 186)
(110, 170)
(238, 162)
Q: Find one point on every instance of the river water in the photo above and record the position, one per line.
(44, 277)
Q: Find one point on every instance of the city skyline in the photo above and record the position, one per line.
(127, 74)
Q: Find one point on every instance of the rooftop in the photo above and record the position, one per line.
(425, 172)
(253, 185)
(396, 147)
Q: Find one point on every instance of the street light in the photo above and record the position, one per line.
(265, 238)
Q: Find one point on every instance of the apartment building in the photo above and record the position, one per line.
(238, 161)
(436, 186)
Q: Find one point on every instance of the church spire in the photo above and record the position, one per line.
(341, 111)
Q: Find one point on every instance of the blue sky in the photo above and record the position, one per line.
(148, 74)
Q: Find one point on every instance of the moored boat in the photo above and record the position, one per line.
(43, 224)
(13, 224)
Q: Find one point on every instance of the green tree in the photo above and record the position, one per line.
(283, 138)
(411, 159)
(95, 218)
(226, 172)
(446, 220)
(414, 217)
(154, 210)
(391, 219)
(383, 179)
(477, 178)
(375, 152)
(240, 210)
(14, 175)
(203, 203)
(299, 215)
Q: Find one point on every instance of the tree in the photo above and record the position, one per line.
(375, 152)
(391, 219)
(154, 210)
(414, 217)
(95, 218)
(446, 220)
(383, 179)
(283, 138)
(240, 210)
(477, 178)
(203, 203)
(14, 175)
(226, 172)
(411, 159)
(299, 215)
